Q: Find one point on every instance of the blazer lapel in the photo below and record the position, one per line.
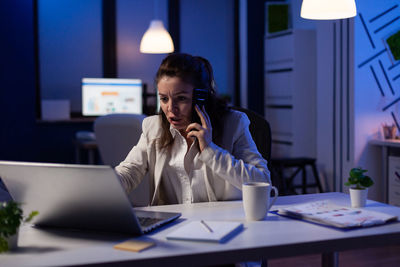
(210, 190)
(159, 166)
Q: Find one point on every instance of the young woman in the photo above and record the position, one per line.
(191, 152)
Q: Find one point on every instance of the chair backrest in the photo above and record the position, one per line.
(260, 131)
(116, 134)
(4, 195)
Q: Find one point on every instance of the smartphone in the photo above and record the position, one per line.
(200, 97)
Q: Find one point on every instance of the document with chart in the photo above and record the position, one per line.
(327, 213)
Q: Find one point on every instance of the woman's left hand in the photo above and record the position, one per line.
(202, 132)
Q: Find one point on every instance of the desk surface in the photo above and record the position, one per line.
(274, 237)
(386, 142)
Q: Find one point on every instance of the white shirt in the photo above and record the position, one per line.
(183, 175)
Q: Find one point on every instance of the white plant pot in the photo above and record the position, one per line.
(13, 241)
(358, 197)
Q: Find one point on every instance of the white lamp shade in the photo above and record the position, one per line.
(156, 40)
(328, 9)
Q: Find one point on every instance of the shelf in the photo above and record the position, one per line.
(71, 120)
(290, 92)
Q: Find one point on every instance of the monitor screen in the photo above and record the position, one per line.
(101, 96)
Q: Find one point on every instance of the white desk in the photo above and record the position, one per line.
(274, 237)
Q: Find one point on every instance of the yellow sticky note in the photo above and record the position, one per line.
(134, 245)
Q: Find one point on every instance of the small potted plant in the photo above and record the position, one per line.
(359, 184)
(11, 218)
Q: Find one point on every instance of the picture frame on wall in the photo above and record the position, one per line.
(277, 17)
(392, 45)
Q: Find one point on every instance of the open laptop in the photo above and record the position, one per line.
(77, 196)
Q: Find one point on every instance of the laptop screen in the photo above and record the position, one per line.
(101, 96)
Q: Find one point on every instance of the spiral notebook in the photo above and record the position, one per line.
(208, 231)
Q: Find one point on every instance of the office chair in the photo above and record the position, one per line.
(4, 195)
(116, 134)
(260, 131)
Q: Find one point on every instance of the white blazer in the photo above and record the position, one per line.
(226, 167)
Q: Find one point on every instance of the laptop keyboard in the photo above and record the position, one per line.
(147, 221)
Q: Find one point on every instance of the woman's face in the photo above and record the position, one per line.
(176, 101)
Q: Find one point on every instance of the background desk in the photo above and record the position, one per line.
(274, 237)
(88, 146)
(386, 145)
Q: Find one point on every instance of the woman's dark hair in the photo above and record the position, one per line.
(198, 72)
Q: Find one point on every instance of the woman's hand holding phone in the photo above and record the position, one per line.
(202, 132)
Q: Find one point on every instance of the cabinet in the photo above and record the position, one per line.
(390, 165)
(290, 92)
(394, 180)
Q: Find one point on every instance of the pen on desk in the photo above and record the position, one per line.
(206, 226)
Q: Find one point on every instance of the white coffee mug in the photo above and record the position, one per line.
(257, 200)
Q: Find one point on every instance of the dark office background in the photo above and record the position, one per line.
(25, 137)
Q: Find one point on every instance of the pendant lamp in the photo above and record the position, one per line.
(156, 40)
(328, 9)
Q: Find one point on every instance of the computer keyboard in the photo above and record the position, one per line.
(147, 221)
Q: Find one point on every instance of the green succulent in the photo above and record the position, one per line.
(11, 218)
(358, 179)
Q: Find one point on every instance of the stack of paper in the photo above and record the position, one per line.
(218, 231)
(324, 212)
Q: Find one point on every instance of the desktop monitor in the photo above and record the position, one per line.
(101, 96)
